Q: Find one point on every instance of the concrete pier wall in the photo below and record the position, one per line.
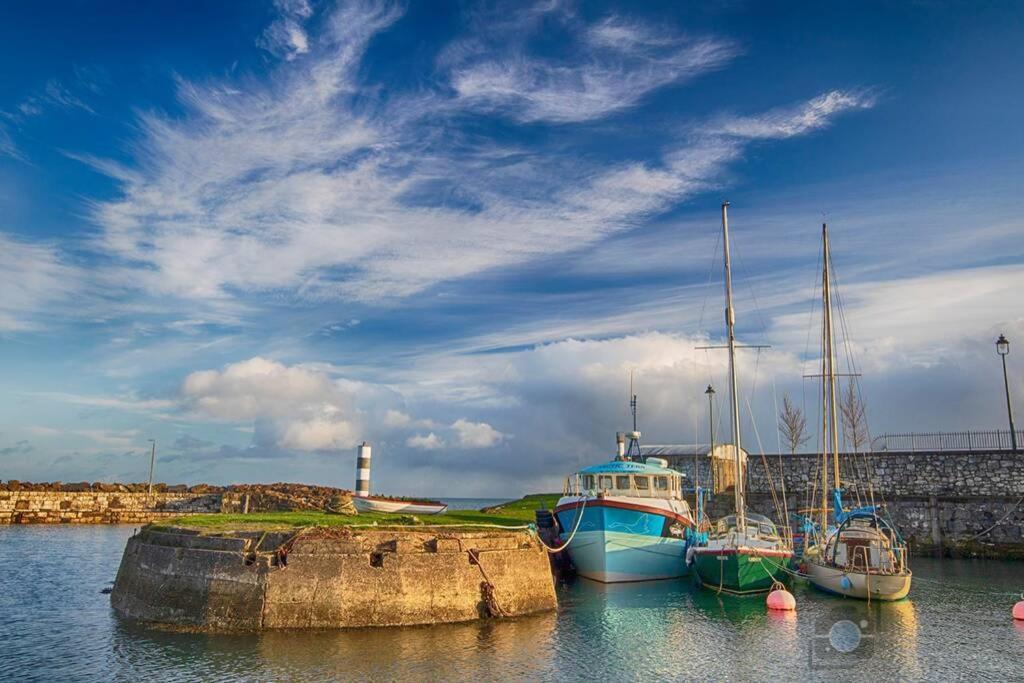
(333, 578)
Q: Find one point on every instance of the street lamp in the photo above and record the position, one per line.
(1003, 349)
(710, 391)
(152, 461)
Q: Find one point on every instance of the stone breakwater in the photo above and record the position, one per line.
(57, 507)
(330, 578)
(103, 503)
(948, 502)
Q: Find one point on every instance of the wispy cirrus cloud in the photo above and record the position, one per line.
(295, 186)
(616, 63)
(286, 36)
(35, 281)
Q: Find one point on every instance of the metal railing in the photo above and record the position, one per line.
(946, 441)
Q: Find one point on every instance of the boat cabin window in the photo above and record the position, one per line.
(588, 482)
(604, 482)
(642, 483)
(661, 483)
(622, 482)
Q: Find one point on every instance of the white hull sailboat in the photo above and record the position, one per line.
(862, 555)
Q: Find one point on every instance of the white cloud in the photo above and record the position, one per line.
(786, 122)
(34, 281)
(318, 433)
(476, 434)
(38, 430)
(122, 439)
(129, 403)
(617, 64)
(286, 36)
(396, 418)
(290, 186)
(298, 408)
(426, 442)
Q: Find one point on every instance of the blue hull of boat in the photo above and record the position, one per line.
(616, 545)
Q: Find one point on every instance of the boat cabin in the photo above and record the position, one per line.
(631, 479)
(866, 544)
(758, 526)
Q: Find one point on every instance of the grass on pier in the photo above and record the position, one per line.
(514, 513)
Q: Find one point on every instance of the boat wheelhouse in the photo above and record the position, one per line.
(626, 520)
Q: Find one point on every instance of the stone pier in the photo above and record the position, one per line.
(330, 578)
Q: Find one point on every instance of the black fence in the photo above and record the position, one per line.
(947, 441)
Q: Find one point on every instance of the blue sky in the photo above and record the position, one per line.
(263, 232)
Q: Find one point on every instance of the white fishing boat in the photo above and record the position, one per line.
(626, 520)
(409, 507)
(855, 552)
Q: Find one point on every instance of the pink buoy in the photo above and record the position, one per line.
(1018, 611)
(782, 599)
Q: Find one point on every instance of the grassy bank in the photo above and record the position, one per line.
(510, 514)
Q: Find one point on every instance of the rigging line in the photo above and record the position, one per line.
(757, 308)
(711, 272)
(778, 442)
(853, 369)
(764, 461)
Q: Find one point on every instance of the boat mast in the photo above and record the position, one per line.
(730, 322)
(831, 375)
(830, 434)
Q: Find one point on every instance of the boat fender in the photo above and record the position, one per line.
(691, 553)
(782, 600)
(846, 583)
(1018, 611)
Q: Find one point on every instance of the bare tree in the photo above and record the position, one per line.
(855, 420)
(792, 425)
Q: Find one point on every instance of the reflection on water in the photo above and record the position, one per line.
(58, 626)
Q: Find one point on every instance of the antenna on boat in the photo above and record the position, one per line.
(634, 436)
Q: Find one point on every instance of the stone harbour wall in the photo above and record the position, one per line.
(98, 507)
(945, 503)
(330, 578)
(104, 503)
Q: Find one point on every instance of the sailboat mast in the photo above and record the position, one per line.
(825, 440)
(730, 323)
(831, 374)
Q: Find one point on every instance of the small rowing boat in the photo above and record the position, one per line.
(410, 507)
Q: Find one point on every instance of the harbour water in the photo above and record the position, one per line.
(57, 625)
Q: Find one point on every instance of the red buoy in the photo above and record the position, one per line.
(782, 599)
(1018, 611)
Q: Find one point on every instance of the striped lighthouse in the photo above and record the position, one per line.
(363, 471)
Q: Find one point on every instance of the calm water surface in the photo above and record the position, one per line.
(56, 625)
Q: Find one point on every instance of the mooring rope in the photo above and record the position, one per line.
(572, 535)
(1001, 520)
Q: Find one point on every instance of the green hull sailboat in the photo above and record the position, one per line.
(753, 567)
(744, 552)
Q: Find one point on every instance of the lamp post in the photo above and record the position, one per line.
(152, 462)
(710, 392)
(1003, 349)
